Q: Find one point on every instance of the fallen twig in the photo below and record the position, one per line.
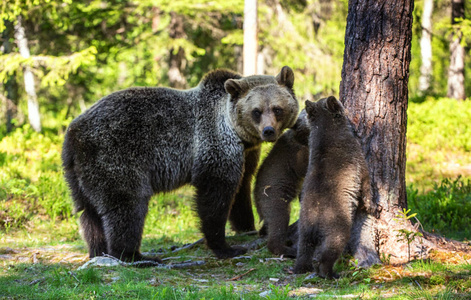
(150, 263)
(140, 263)
(242, 257)
(241, 275)
(257, 244)
(186, 264)
(253, 232)
(188, 246)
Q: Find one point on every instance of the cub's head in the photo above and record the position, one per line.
(262, 106)
(327, 113)
(327, 109)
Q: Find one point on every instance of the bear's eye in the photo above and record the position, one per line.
(277, 111)
(256, 113)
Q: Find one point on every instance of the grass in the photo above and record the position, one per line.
(41, 248)
(446, 209)
(46, 273)
(438, 141)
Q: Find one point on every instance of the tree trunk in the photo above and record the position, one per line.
(250, 37)
(177, 55)
(11, 86)
(33, 105)
(426, 48)
(456, 70)
(374, 91)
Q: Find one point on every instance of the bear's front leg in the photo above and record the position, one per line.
(213, 202)
(241, 214)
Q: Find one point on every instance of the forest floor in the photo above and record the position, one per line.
(52, 269)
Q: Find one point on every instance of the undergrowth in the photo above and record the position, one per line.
(438, 141)
(446, 209)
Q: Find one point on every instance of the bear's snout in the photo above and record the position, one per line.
(269, 134)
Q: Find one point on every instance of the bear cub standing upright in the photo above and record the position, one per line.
(140, 141)
(279, 181)
(337, 184)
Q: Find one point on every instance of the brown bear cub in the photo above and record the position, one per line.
(337, 184)
(140, 141)
(279, 181)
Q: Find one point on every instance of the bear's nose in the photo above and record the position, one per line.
(268, 132)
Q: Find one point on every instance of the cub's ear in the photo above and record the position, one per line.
(310, 107)
(286, 77)
(333, 105)
(236, 87)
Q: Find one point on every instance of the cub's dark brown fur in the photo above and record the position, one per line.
(137, 142)
(279, 181)
(337, 184)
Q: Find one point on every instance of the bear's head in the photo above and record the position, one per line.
(327, 115)
(262, 106)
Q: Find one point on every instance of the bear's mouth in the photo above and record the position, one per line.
(270, 139)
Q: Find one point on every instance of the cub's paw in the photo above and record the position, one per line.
(289, 252)
(373, 209)
(331, 275)
(377, 211)
(278, 248)
(300, 269)
(229, 252)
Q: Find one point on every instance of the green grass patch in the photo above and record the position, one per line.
(446, 209)
(438, 141)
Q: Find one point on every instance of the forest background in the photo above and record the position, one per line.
(79, 51)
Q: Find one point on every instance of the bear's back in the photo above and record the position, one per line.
(140, 131)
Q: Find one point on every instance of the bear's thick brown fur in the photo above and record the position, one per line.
(336, 186)
(140, 141)
(279, 181)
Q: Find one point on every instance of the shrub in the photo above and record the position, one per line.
(446, 209)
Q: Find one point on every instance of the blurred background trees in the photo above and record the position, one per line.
(80, 51)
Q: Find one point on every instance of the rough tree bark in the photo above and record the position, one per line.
(250, 37)
(33, 105)
(374, 90)
(457, 52)
(426, 48)
(177, 55)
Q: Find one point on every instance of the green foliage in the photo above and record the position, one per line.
(31, 180)
(405, 235)
(316, 54)
(53, 71)
(442, 33)
(438, 140)
(446, 209)
(438, 124)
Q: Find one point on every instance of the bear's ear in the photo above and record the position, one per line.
(286, 77)
(236, 87)
(333, 105)
(310, 107)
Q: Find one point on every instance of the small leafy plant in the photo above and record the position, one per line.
(405, 235)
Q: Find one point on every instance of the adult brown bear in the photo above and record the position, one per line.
(140, 141)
